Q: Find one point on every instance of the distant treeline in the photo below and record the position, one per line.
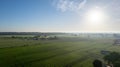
(27, 33)
(116, 35)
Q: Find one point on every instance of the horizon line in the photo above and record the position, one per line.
(64, 31)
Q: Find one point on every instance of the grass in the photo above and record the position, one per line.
(68, 51)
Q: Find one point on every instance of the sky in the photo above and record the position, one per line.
(59, 15)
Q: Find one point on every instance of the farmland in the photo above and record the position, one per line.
(66, 51)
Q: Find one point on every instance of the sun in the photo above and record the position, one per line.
(95, 19)
(95, 16)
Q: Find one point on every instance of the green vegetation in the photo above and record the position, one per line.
(113, 58)
(66, 51)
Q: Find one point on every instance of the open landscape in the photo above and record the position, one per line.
(59, 33)
(66, 50)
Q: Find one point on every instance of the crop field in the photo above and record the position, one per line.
(66, 51)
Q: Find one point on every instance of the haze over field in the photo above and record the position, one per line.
(59, 15)
(59, 33)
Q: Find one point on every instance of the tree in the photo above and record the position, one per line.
(12, 36)
(113, 58)
(97, 63)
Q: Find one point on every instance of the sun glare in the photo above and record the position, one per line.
(95, 16)
(95, 19)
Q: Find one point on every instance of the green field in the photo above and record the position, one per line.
(66, 51)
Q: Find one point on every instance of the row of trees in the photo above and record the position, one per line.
(45, 37)
(30, 33)
(37, 37)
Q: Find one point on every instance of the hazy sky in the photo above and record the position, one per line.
(58, 15)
